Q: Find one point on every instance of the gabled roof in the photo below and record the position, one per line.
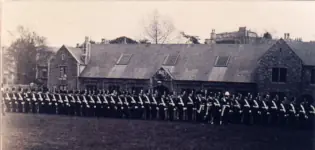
(76, 53)
(45, 55)
(305, 50)
(195, 62)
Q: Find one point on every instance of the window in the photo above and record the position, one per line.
(279, 74)
(62, 71)
(124, 59)
(62, 56)
(313, 76)
(44, 73)
(170, 60)
(222, 61)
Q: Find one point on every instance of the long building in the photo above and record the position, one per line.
(281, 67)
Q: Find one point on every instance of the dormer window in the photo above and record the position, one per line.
(222, 61)
(124, 59)
(171, 60)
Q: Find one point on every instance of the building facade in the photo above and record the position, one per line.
(276, 67)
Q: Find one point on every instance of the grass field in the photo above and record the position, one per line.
(44, 132)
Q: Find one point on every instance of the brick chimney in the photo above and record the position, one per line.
(213, 36)
(86, 50)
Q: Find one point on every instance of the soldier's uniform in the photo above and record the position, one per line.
(34, 102)
(47, 103)
(216, 110)
(139, 101)
(154, 106)
(67, 106)
(171, 109)
(98, 104)
(105, 105)
(120, 108)
(255, 111)
(15, 102)
(7, 100)
(78, 105)
(273, 112)
(92, 106)
(147, 108)
(190, 107)
(237, 110)
(181, 108)
(20, 101)
(162, 107)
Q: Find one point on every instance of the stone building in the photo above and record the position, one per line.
(277, 67)
(242, 36)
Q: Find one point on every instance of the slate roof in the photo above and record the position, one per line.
(76, 53)
(305, 50)
(195, 62)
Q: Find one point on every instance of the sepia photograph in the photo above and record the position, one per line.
(157, 75)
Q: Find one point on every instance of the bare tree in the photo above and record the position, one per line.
(25, 51)
(159, 29)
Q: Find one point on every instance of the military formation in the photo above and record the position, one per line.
(195, 106)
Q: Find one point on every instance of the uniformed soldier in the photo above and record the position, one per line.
(170, 107)
(34, 102)
(41, 103)
(292, 113)
(162, 107)
(120, 108)
(14, 101)
(246, 111)
(190, 107)
(225, 108)
(20, 100)
(255, 109)
(54, 106)
(140, 105)
(154, 105)
(105, 104)
(72, 104)
(310, 111)
(302, 114)
(98, 104)
(180, 105)
(47, 103)
(66, 101)
(264, 109)
(7, 100)
(273, 111)
(126, 111)
(78, 105)
(147, 106)
(216, 109)
(85, 105)
(282, 114)
(92, 105)
(236, 109)
(61, 104)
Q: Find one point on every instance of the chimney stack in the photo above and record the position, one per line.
(213, 36)
(78, 45)
(288, 36)
(103, 41)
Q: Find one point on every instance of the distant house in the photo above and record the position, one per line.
(42, 65)
(242, 36)
(279, 67)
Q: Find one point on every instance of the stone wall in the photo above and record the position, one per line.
(280, 55)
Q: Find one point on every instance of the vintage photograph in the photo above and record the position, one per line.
(157, 75)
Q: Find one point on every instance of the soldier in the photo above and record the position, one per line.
(190, 107)
(282, 114)
(66, 101)
(92, 105)
(162, 107)
(236, 109)
(255, 109)
(120, 108)
(98, 104)
(7, 100)
(302, 115)
(225, 108)
(105, 105)
(112, 104)
(85, 105)
(140, 105)
(154, 105)
(14, 101)
(126, 105)
(310, 112)
(170, 107)
(216, 109)
(180, 105)
(54, 103)
(264, 109)
(72, 104)
(78, 105)
(246, 111)
(147, 108)
(292, 113)
(201, 108)
(273, 111)
(61, 104)
(20, 100)
(34, 103)
(41, 103)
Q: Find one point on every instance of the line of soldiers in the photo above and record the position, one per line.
(202, 106)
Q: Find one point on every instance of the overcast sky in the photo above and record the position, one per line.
(68, 22)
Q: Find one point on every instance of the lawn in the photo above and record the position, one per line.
(45, 132)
